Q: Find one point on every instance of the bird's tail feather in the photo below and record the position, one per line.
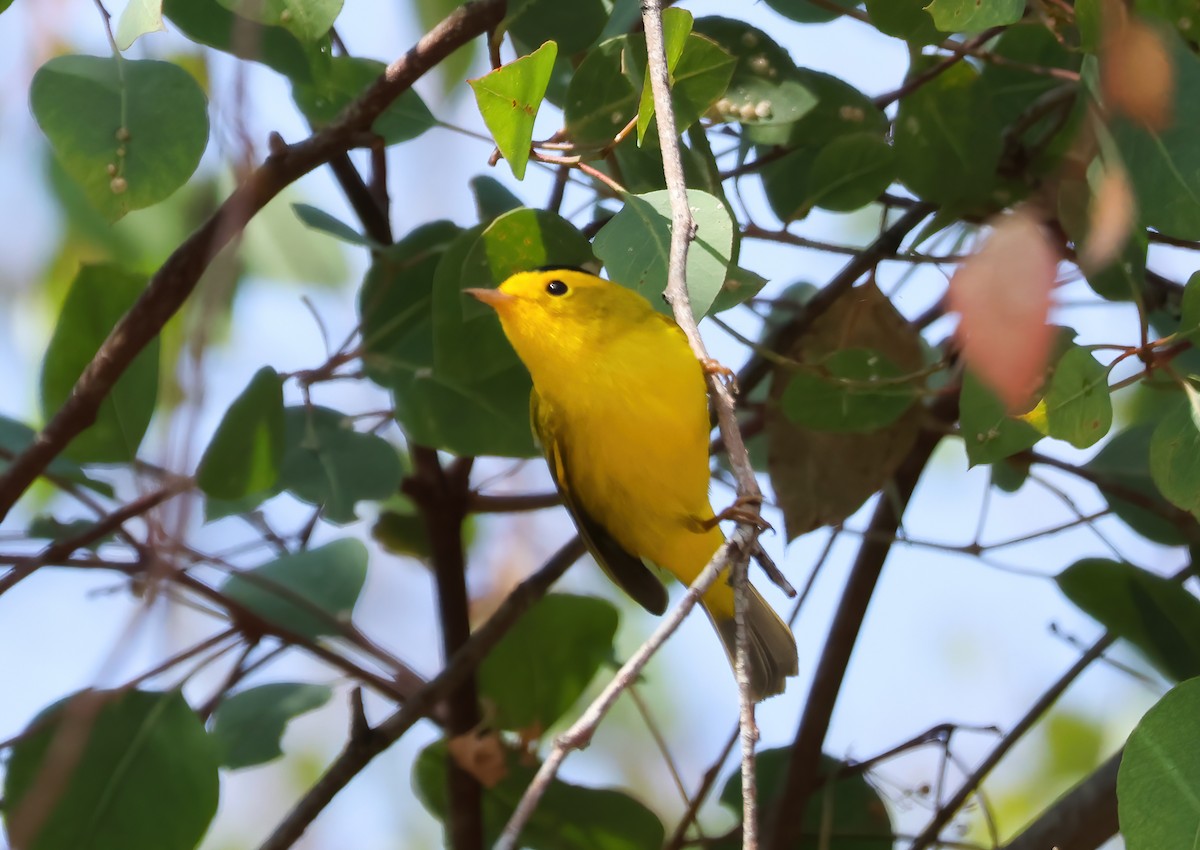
(771, 645)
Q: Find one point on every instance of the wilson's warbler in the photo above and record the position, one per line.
(619, 406)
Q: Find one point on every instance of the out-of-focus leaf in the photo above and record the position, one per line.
(307, 592)
(209, 23)
(1156, 615)
(492, 198)
(573, 26)
(569, 817)
(1189, 322)
(635, 247)
(1011, 85)
(1175, 453)
(821, 477)
(345, 79)
(16, 437)
(530, 681)
(509, 99)
(905, 19)
(143, 774)
(246, 451)
(948, 138)
(1156, 802)
(98, 298)
(329, 464)
(308, 20)
(847, 813)
(248, 726)
(324, 222)
(1165, 165)
(851, 171)
(1125, 459)
(138, 18)
(107, 130)
(806, 12)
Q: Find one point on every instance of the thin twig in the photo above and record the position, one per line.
(580, 733)
(683, 230)
(362, 748)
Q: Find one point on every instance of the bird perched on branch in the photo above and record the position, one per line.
(619, 406)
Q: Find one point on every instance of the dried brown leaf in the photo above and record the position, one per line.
(1135, 71)
(1110, 220)
(480, 754)
(819, 477)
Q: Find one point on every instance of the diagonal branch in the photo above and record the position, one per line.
(803, 777)
(1082, 819)
(367, 743)
(175, 280)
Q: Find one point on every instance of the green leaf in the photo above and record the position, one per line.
(137, 19)
(530, 681)
(975, 15)
(605, 91)
(402, 533)
(104, 122)
(492, 198)
(16, 437)
(1175, 454)
(469, 346)
(329, 464)
(573, 26)
(806, 12)
(1164, 166)
(206, 22)
(905, 19)
(676, 25)
(308, 20)
(765, 87)
(144, 774)
(1125, 459)
(99, 296)
(248, 726)
(851, 171)
(989, 433)
(324, 98)
(1157, 804)
(309, 593)
(1189, 322)
(855, 391)
(1154, 614)
(509, 99)
(948, 138)
(840, 109)
(1078, 405)
(569, 817)
(245, 453)
(1012, 86)
(453, 414)
(845, 814)
(323, 222)
(635, 247)
(395, 304)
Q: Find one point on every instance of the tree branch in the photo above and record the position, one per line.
(1082, 819)
(175, 280)
(366, 745)
(441, 495)
(802, 777)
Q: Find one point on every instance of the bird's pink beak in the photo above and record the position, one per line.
(494, 298)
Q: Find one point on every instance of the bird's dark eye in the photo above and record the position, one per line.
(556, 287)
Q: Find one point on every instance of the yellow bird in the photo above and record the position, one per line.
(620, 408)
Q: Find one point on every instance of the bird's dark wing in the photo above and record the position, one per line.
(625, 569)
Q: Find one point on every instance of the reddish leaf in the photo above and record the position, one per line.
(1135, 70)
(1110, 220)
(1003, 296)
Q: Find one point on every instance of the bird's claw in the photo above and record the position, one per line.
(744, 510)
(721, 372)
